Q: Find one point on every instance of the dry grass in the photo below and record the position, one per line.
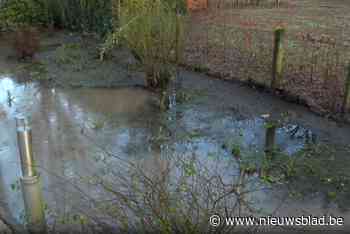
(237, 44)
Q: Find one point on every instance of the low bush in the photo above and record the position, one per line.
(14, 13)
(153, 31)
(81, 15)
(27, 42)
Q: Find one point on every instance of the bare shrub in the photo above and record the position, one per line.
(27, 42)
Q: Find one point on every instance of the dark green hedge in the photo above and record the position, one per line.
(81, 15)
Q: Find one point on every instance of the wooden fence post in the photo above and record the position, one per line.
(278, 57)
(346, 102)
(270, 139)
(277, 3)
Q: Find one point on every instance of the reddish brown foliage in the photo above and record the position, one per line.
(26, 42)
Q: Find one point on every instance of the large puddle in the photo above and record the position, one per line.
(78, 133)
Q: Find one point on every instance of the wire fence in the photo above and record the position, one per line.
(222, 43)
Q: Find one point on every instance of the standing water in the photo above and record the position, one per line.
(81, 136)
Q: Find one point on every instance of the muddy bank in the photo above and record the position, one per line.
(244, 99)
(70, 60)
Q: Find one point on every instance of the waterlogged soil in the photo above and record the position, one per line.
(81, 108)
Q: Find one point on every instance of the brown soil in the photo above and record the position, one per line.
(237, 44)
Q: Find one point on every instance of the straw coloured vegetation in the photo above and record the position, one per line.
(237, 44)
(154, 32)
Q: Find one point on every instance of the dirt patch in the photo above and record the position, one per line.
(237, 43)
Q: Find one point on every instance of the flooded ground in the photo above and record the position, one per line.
(80, 134)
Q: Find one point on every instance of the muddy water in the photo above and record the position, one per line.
(59, 119)
(73, 129)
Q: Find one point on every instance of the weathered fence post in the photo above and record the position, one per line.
(346, 102)
(278, 57)
(277, 3)
(164, 100)
(270, 138)
(31, 188)
(257, 3)
(240, 189)
(240, 184)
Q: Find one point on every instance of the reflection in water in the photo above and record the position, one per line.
(4, 193)
(71, 127)
(17, 98)
(10, 170)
